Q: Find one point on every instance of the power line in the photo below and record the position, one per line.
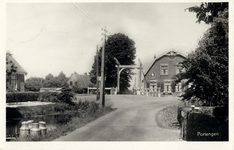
(88, 16)
(74, 9)
(64, 10)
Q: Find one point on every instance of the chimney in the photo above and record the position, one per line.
(85, 73)
(154, 56)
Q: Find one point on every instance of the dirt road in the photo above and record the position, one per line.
(133, 120)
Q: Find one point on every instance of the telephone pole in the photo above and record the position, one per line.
(97, 76)
(102, 89)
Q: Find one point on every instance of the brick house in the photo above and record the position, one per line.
(17, 79)
(159, 75)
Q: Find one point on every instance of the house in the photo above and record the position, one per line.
(17, 79)
(159, 75)
(80, 81)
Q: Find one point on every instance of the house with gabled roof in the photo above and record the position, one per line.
(17, 79)
(81, 81)
(159, 75)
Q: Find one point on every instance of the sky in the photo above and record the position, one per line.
(53, 37)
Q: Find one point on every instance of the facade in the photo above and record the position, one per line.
(78, 80)
(17, 79)
(159, 75)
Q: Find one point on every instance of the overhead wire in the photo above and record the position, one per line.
(87, 15)
(76, 11)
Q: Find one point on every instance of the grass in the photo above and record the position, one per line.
(72, 125)
(167, 118)
(91, 114)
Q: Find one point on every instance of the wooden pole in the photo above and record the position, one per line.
(97, 82)
(102, 92)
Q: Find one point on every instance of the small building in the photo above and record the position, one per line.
(17, 79)
(81, 81)
(159, 75)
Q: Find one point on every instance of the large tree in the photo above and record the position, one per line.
(206, 12)
(123, 48)
(206, 69)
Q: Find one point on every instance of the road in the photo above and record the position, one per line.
(133, 120)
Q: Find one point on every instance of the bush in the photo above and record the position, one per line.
(66, 96)
(48, 97)
(21, 97)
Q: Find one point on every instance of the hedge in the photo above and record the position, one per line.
(81, 108)
(48, 97)
(31, 96)
(202, 125)
(21, 96)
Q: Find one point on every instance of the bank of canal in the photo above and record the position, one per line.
(57, 115)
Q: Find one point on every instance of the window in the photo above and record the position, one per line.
(167, 85)
(153, 85)
(13, 81)
(164, 69)
(178, 69)
(178, 88)
(70, 83)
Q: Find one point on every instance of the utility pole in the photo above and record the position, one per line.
(97, 77)
(102, 89)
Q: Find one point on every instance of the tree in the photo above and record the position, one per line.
(208, 11)
(62, 80)
(206, 69)
(49, 81)
(10, 70)
(123, 48)
(59, 81)
(34, 83)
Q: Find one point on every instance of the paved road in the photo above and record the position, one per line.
(133, 120)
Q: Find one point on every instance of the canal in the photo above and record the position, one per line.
(52, 121)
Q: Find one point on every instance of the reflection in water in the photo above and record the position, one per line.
(52, 121)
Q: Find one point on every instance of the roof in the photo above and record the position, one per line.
(172, 52)
(20, 69)
(83, 79)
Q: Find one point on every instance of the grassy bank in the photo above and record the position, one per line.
(76, 122)
(85, 112)
(167, 118)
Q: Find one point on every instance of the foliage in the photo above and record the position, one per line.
(123, 49)
(206, 69)
(48, 97)
(59, 81)
(76, 89)
(34, 84)
(21, 96)
(208, 11)
(10, 70)
(73, 124)
(66, 96)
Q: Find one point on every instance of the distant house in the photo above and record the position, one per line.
(159, 75)
(17, 79)
(82, 81)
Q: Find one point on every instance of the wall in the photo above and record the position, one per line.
(156, 69)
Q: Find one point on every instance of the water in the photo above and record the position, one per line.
(52, 121)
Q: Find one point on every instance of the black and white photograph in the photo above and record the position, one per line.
(117, 75)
